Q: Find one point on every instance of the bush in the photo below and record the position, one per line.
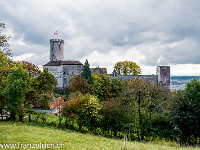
(83, 108)
(77, 84)
(113, 116)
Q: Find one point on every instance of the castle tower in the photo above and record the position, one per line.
(163, 73)
(56, 50)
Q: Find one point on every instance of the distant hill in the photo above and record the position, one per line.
(179, 82)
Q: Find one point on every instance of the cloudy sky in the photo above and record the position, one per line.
(148, 32)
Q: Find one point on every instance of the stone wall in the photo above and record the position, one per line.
(152, 78)
(57, 72)
(69, 71)
(64, 72)
(56, 49)
(163, 73)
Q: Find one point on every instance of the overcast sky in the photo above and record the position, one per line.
(148, 32)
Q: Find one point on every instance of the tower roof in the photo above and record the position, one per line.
(59, 63)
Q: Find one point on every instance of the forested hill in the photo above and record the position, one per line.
(179, 82)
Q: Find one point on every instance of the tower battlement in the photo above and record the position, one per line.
(56, 40)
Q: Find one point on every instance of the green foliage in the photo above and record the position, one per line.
(4, 64)
(102, 86)
(32, 69)
(45, 82)
(193, 91)
(114, 115)
(146, 99)
(84, 108)
(86, 74)
(186, 113)
(61, 91)
(184, 116)
(117, 87)
(18, 84)
(79, 84)
(4, 46)
(127, 68)
(44, 101)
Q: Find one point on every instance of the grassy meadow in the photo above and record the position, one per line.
(23, 134)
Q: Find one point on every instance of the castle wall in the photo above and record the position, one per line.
(63, 73)
(69, 71)
(56, 49)
(57, 72)
(152, 78)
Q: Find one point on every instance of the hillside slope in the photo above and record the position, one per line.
(20, 136)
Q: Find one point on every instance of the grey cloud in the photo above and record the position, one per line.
(92, 25)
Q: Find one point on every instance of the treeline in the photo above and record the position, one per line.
(137, 108)
(22, 86)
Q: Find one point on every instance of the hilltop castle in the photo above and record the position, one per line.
(64, 70)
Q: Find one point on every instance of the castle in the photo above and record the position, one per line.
(64, 70)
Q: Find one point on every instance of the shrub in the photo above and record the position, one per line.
(113, 116)
(83, 108)
(81, 85)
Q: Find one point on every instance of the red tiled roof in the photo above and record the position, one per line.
(58, 63)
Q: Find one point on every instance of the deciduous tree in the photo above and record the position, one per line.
(127, 68)
(18, 83)
(102, 86)
(45, 82)
(81, 85)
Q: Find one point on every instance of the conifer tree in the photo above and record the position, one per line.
(86, 74)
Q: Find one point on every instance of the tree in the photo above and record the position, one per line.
(102, 86)
(81, 85)
(117, 86)
(32, 69)
(127, 68)
(83, 108)
(45, 82)
(5, 64)
(86, 74)
(193, 91)
(18, 83)
(106, 87)
(146, 99)
(185, 117)
(113, 115)
(4, 46)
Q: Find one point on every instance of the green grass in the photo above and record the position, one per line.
(13, 133)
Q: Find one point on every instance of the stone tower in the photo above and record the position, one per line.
(163, 73)
(61, 69)
(56, 50)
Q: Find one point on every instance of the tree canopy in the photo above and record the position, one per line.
(18, 83)
(127, 68)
